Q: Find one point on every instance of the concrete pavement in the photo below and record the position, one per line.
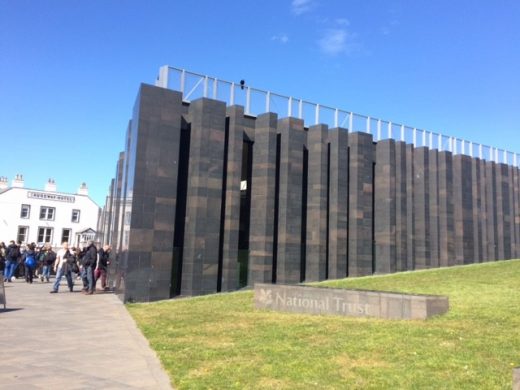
(72, 341)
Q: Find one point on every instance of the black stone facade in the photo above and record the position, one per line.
(207, 199)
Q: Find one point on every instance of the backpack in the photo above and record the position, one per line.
(30, 261)
(14, 253)
(50, 257)
(42, 256)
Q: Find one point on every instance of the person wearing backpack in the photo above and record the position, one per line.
(12, 255)
(63, 266)
(48, 258)
(29, 260)
(89, 261)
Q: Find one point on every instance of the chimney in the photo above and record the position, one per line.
(50, 186)
(18, 181)
(3, 183)
(83, 189)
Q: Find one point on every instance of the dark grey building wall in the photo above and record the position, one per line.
(151, 189)
(261, 233)
(361, 212)
(338, 203)
(322, 203)
(289, 251)
(385, 207)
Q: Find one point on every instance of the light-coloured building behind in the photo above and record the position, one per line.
(40, 216)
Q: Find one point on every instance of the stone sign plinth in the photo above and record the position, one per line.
(353, 303)
(516, 378)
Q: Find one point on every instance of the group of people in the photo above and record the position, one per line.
(89, 263)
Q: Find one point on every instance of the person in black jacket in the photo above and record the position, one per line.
(12, 254)
(48, 257)
(30, 262)
(3, 248)
(102, 266)
(88, 262)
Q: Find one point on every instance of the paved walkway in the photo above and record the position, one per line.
(72, 341)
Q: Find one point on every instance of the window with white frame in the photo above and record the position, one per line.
(65, 235)
(47, 213)
(75, 215)
(25, 212)
(44, 234)
(23, 233)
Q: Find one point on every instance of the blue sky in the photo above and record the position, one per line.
(70, 69)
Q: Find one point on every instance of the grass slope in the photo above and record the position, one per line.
(221, 342)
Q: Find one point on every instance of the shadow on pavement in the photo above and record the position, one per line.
(10, 309)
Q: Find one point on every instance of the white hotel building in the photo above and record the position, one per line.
(30, 215)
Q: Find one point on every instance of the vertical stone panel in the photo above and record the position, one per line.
(401, 210)
(516, 213)
(204, 197)
(483, 213)
(232, 205)
(290, 200)
(477, 205)
(338, 204)
(463, 209)
(360, 242)
(491, 211)
(118, 193)
(151, 193)
(421, 208)
(263, 200)
(410, 210)
(500, 226)
(385, 207)
(434, 207)
(446, 221)
(511, 211)
(317, 203)
(503, 212)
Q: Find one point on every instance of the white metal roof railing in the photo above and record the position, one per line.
(257, 101)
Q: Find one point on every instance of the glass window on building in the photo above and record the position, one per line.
(47, 213)
(75, 216)
(65, 235)
(44, 234)
(23, 232)
(26, 211)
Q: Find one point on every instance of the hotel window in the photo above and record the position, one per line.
(65, 235)
(44, 234)
(75, 216)
(26, 211)
(22, 233)
(47, 213)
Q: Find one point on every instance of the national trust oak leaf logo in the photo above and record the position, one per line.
(266, 297)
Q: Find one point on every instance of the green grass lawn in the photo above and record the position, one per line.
(222, 342)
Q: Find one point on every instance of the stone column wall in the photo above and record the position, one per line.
(338, 203)
(361, 213)
(204, 198)
(261, 236)
(317, 196)
(290, 200)
(324, 203)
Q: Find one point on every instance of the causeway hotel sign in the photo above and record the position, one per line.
(355, 303)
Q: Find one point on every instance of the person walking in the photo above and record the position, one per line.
(48, 258)
(29, 260)
(3, 249)
(11, 257)
(102, 267)
(63, 266)
(88, 262)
